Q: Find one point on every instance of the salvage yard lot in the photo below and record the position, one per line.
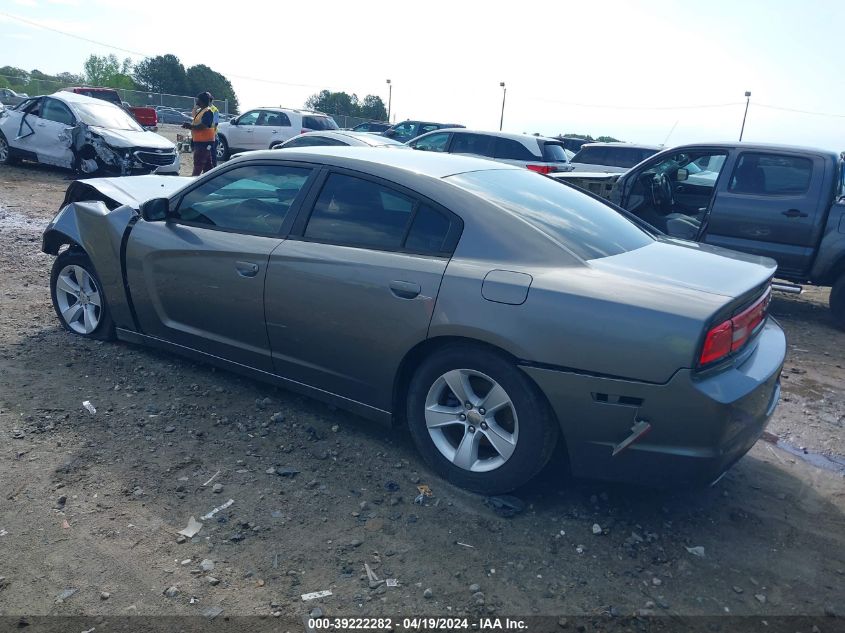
(132, 474)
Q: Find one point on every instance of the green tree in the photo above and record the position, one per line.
(201, 78)
(607, 139)
(164, 73)
(372, 107)
(108, 71)
(344, 104)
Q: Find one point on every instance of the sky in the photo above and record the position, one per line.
(645, 71)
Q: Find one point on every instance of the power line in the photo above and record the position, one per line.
(139, 54)
(771, 107)
(626, 107)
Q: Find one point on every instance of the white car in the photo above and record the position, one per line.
(263, 128)
(88, 135)
(537, 153)
(341, 137)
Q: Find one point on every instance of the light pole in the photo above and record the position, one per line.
(389, 98)
(504, 94)
(747, 101)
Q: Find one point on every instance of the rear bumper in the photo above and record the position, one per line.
(699, 426)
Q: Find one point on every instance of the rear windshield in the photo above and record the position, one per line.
(554, 153)
(319, 123)
(587, 227)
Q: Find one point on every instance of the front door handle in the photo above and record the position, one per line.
(405, 289)
(246, 269)
(794, 213)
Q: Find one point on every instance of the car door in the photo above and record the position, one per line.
(271, 127)
(771, 205)
(354, 287)
(52, 139)
(240, 136)
(197, 279)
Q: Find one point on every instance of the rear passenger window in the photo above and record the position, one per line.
(478, 144)
(771, 174)
(358, 212)
(428, 232)
(510, 149)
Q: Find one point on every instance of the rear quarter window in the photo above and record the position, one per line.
(588, 228)
(319, 123)
(554, 153)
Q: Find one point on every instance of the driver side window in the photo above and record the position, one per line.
(250, 199)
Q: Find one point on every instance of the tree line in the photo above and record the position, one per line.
(343, 104)
(163, 73)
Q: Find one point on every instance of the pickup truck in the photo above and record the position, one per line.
(146, 117)
(783, 202)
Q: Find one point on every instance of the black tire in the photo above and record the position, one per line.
(7, 157)
(81, 163)
(104, 329)
(222, 149)
(837, 301)
(537, 429)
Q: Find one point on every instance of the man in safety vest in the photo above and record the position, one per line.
(203, 134)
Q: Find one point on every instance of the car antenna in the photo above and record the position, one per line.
(670, 132)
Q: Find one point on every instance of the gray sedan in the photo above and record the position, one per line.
(494, 311)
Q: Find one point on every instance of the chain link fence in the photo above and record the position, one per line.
(33, 87)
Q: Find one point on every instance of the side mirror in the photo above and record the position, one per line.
(682, 175)
(389, 133)
(155, 210)
(233, 121)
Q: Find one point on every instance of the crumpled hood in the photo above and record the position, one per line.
(135, 190)
(131, 138)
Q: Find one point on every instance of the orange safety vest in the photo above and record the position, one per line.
(205, 135)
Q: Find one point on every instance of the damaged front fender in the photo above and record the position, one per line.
(102, 235)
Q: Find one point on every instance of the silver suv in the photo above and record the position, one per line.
(264, 128)
(537, 153)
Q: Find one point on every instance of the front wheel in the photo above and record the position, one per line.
(837, 301)
(78, 297)
(478, 421)
(6, 156)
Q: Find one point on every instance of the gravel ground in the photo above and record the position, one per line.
(94, 502)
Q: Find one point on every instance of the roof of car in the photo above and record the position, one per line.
(73, 97)
(374, 140)
(516, 137)
(433, 164)
(283, 109)
(656, 148)
(768, 147)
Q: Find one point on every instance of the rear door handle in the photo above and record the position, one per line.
(246, 269)
(794, 213)
(405, 289)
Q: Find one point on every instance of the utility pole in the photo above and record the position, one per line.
(747, 101)
(504, 94)
(389, 98)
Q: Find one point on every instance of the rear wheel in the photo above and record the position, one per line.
(478, 421)
(78, 297)
(6, 157)
(222, 149)
(837, 301)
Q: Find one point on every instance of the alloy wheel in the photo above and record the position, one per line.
(471, 420)
(79, 299)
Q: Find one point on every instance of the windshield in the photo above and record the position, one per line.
(587, 227)
(106, 115)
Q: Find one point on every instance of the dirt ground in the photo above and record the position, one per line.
(93, 502)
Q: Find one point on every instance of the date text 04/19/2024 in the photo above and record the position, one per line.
(418, 624)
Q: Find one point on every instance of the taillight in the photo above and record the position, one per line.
(733, 334)
(304, 130)
(541, 169)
